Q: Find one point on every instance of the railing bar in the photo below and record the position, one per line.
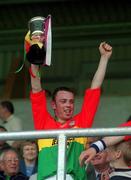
(61, 169)
(68, 132)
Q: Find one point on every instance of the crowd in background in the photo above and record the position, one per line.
(19, 159)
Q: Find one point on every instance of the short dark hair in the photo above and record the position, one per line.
(61, 89)
(8, 105)
(2, 127)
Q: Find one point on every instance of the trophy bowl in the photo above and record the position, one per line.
(39, 44)
(37, 52)
(36, 25)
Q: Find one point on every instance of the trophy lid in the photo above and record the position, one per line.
(36, 25)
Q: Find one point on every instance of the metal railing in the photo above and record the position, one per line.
(62, 136)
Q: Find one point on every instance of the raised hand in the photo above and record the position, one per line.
(105, 49)
(87, 156)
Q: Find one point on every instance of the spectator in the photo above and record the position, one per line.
(63, 106)
(29, 151)
(10, 121)
(10, 166)
(99, 167)
(119, 156)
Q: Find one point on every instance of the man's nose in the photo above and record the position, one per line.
(68, 103)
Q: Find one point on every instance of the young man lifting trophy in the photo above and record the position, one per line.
(38, 53)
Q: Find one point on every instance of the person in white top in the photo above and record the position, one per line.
(9, 120)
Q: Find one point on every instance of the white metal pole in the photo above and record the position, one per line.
(121, 131)
(61, 164)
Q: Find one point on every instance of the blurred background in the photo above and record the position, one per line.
(78, 27)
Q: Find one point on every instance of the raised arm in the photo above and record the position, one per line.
(105, 52)
(86, 156)
(35, 78)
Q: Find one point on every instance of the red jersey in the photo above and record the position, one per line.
(43, 119)
(48, 149)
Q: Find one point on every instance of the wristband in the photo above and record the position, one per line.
(98, 146)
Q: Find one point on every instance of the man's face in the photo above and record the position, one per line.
(2, 112)
(30, 152)
(10, 163)
(100, 158)
(63, 105)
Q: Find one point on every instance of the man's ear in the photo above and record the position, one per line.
(53, 105)
(118, 154)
